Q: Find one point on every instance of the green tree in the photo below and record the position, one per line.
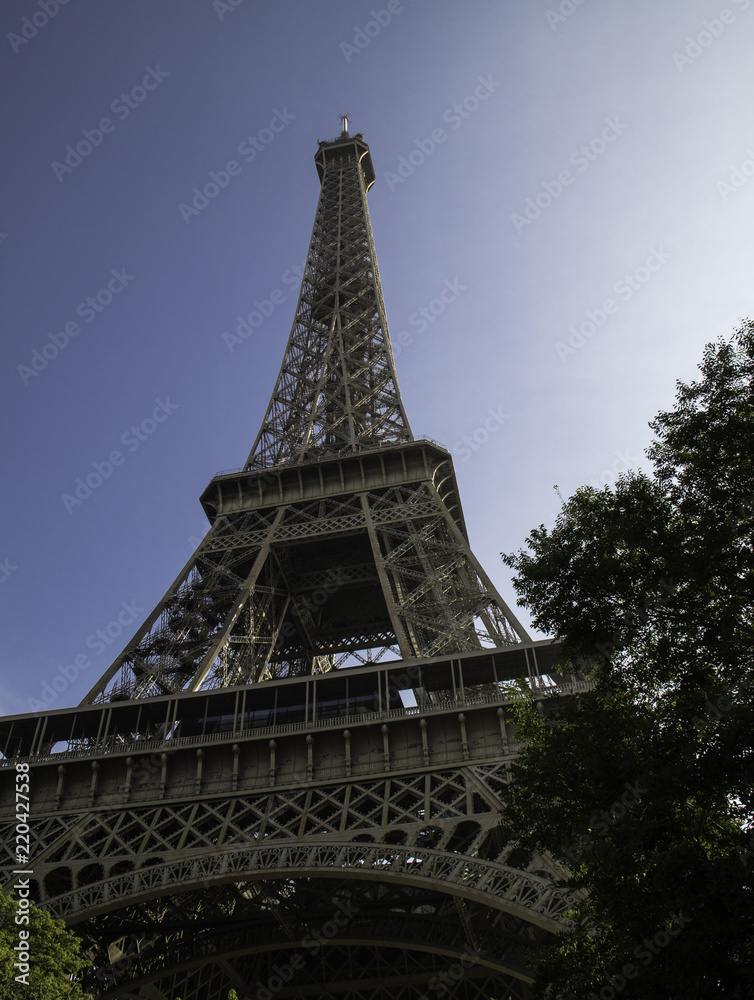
(53, 955)
(643, 785)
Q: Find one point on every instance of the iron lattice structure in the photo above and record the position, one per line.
(337, 392)
(335, 498)
(288, 781)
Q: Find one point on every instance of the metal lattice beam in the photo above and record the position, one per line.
(337, 391)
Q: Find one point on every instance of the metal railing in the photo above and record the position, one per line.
(119, 745)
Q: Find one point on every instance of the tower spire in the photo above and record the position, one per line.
(337, 391)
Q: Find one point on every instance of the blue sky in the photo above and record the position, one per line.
(576, 177)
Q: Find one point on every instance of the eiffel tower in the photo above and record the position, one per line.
(287, 783)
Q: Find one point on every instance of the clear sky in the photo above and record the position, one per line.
(575, 177)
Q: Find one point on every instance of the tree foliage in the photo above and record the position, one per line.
(643, 785)
(53, 955)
